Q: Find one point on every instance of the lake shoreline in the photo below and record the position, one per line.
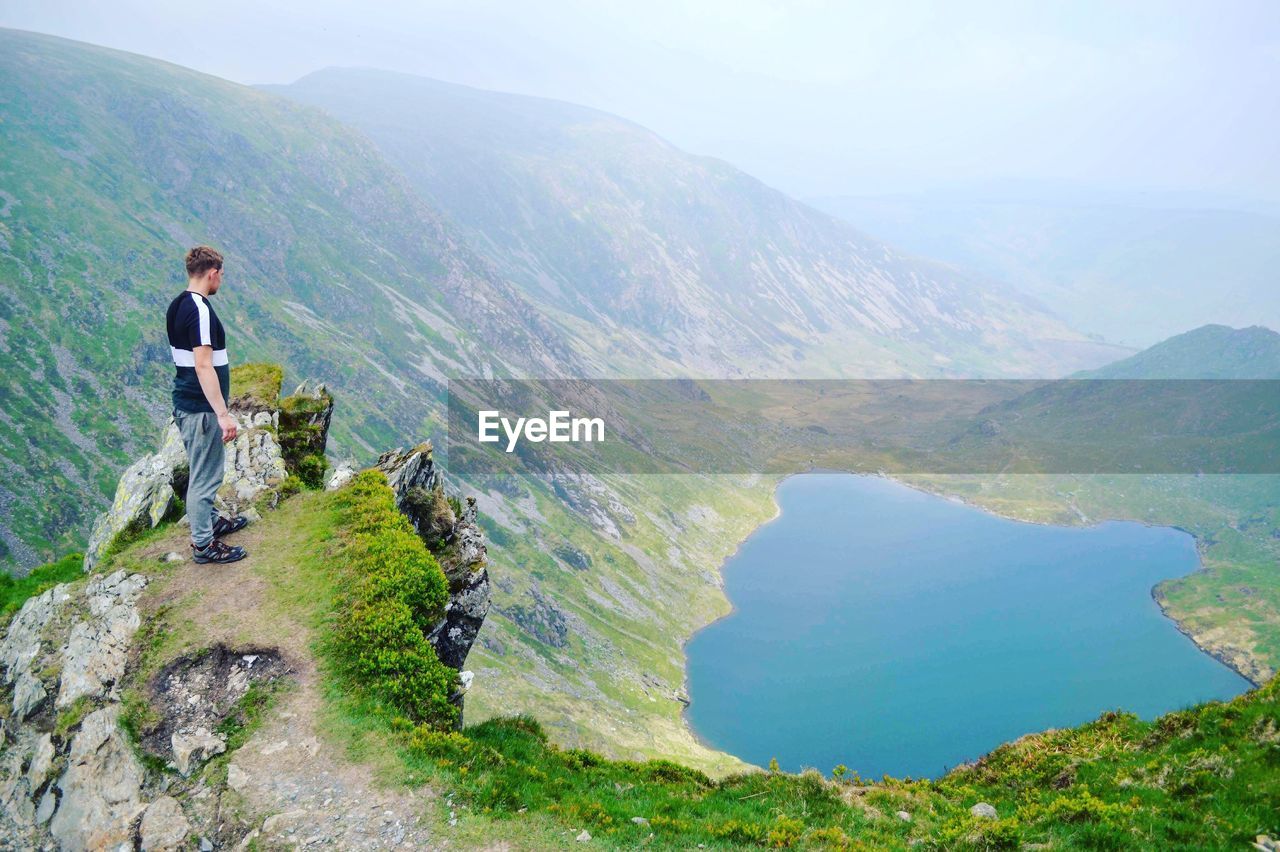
(1219, 654)
(1082, 522)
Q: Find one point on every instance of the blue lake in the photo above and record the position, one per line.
(899, 632)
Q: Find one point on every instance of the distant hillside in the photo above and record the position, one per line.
(1208, 352)
(658, 260)
(1124, 267)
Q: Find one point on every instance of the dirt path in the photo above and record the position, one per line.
(290, 785)
(308, 794)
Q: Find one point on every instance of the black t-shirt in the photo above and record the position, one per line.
(192, 322)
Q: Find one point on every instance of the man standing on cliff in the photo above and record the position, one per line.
(201, 392)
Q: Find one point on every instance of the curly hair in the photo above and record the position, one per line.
(201, 259)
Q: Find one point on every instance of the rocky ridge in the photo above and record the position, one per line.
(72, 777)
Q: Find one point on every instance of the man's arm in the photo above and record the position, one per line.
(213, 390)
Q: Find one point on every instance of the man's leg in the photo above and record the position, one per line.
(206, 458)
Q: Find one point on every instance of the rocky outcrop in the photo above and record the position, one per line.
(254, 460)
(70, 775)
(274, 438)
(304, 429)
(66, 769)
(541, 619)
(459, 545)
(143, 496)
(340, 476)
(100, 794)
(98, 646)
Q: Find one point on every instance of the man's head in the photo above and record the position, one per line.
(204, 269)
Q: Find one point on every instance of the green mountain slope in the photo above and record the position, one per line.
(1208, 352)
(113, 165)
(341, 269)
(662, 261)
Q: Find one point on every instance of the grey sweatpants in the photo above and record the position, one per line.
(202, 437)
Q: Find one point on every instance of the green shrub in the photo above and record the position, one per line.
(394, 594)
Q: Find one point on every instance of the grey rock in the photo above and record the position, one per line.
(100, 788)
(255, 465)
(982, 810)
(540, 618)
(190, 747)
(237, 778)
(143, 495)
(164, 825)
(342, 474)
(640, 820)
(284, 823)
(94, 658)
(407, 469)
(28, 692)
(48, 804)
(21, 645)
(41, 762)
(15, 796)
(584, 836)
(904, 816)
(573, 557)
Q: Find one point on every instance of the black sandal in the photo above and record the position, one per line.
(225, 526)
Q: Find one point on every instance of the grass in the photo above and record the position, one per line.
(14, 592)
(258, 383)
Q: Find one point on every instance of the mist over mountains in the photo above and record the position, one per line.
(476, 234)
(685, 263)
(1130, 268)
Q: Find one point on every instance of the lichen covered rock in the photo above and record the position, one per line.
(75, 778)
(143, 496)
(304, 429)
(101, 788)
(98, 647)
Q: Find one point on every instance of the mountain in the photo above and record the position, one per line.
(114, 164)
(538, 239)
(660, 261)
(1207, 352)
(1131, 268)
(341, 271)
(347, 266)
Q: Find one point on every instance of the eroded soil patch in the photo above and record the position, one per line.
(195, 694)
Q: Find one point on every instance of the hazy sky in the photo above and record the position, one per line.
(814, 97)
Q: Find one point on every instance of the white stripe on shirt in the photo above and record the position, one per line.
(187, 358)
(204, 320)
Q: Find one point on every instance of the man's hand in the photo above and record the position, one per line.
(228, 425)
